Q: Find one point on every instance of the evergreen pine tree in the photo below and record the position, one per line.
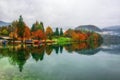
(21, 28)
(61, 32)
(57, 32)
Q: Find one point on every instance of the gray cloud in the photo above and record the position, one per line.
(65, 13)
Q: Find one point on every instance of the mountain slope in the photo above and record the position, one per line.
(88, 28)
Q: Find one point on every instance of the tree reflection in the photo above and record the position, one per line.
(49, 49)
(85, 48)
(61, 49)
(38, 53)
(19, 57)
(56, 48)
(19, 54)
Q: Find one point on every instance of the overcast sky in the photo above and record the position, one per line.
(62, 13)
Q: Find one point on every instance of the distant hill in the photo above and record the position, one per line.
(114, 30)
(2, 23)
(88, 28)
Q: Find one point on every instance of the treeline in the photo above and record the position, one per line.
(18, 30)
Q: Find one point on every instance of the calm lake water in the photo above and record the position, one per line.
(78, 61)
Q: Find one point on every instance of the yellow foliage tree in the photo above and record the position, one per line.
(49, 32)
(13, 34)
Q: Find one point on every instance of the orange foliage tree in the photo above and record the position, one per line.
(13, 35)
(75, 36)
(27, 33)
(39, 34)
(82, 36)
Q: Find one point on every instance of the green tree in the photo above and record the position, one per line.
(42, 26)
(61, 32)
(13, 26)
(33, 27)
(5, 32)
(56, 32)
(37, 26)
(21, 28)
(13, 30)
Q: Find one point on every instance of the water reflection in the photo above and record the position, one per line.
(84, 48)
(111, 47)
(19, 54)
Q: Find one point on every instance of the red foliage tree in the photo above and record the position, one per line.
(82, 36)
(39, 34)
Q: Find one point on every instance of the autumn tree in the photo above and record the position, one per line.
(13, 32)
(39, 34)
(82, 36)
(68, 33)
(49, 32)
(13, 35)
(27, 33)
(75, 36)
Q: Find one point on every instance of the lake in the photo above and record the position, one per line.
(76, 61)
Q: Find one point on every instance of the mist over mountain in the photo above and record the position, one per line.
(113, 30)
(2, 23)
